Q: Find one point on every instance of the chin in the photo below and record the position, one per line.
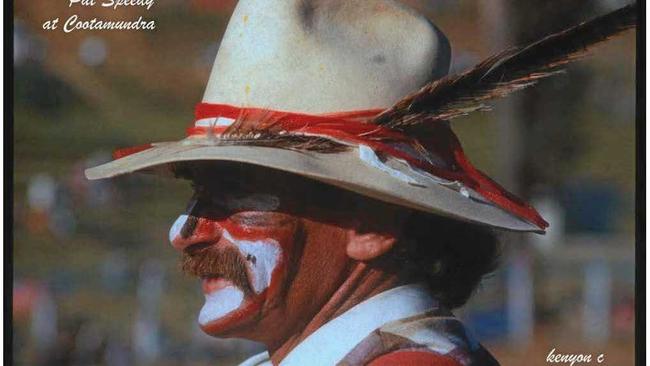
(228, 310)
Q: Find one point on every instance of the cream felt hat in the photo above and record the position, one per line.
(300, 85)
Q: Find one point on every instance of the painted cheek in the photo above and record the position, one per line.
(262, 258)
(278, 275)
(267, 250)
(287, 241)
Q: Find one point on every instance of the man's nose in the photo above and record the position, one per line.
(190, 228)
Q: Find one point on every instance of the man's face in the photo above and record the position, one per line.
(244, 234)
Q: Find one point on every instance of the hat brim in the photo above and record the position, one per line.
(342, 169)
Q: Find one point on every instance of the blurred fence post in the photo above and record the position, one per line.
(146, 329)
(520, 298)
(597, 301)
(44, 326)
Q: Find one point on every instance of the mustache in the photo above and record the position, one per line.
(226, 263)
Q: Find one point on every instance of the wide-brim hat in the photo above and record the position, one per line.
(310, 87)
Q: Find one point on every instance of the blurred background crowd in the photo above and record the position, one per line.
(96, 283)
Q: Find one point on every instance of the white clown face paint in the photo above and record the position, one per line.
(260, 248)
(222, 297)
(262, 256)
(220, 303)
(176, 227)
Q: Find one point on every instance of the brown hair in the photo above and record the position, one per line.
(453, 256)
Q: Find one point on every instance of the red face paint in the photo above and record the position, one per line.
(264, 239)
(281, 223)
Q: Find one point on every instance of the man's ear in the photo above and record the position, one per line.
(368, 246)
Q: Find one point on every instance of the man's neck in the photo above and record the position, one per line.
(363, 283)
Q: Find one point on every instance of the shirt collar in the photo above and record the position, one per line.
(331, 342)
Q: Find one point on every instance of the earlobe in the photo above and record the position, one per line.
(368, 246)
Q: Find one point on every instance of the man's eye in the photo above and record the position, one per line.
(205, 195)
(200, 191)
(253, 202)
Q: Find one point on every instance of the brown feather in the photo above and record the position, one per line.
(509, 71)
(262, 129)
(291, 142)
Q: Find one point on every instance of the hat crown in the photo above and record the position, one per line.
(320, 56)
